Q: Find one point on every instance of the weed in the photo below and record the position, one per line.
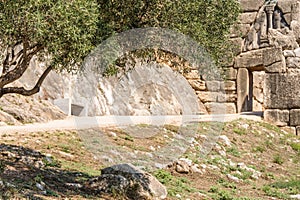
(292, 185)
(295, 146)
(227, 184)
(52, 193)
(260, 149)
(175, 185)
(274, 192)
(269, 144)
(234, 151)
(278, 159)
(239, 131)
(270, 127)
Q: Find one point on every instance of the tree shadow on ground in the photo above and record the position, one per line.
(26, 173)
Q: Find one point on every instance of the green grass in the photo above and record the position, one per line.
(293, 186)
(278, 159)
(233, 151)
(240, 131)
(175, 185)
(295, 146)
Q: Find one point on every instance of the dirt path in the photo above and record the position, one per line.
(73, 123)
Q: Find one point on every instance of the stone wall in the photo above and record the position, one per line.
(268, 61)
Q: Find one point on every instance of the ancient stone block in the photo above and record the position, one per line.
(258, 79)
(277, 117)
(295, 11)
(247, 18)
(213, 86)
(208, 96)
(284, 39)
(295, 26)
(282, 91)
(295, 117)
(239, 30)
(298, 130)
(288, 18)
(250, 59)
(257, 106)
(193, 74)
(285, 5)
(228, 86)
(220, 108)
(293, 62)
(277, 67)
(197, 84)
(242, 90)
(226, 97)
(230, 73)
(272, 55)
(253, 5)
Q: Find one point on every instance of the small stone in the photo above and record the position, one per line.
(182, 167)
(112, 134)
(178, 196)
(195, 169)
(224, 140)
(152, 148)
(245, 126)
(297, 196)
(233, 178)
(40, 186)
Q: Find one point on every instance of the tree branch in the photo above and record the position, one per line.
(21, 62)
(22, 90)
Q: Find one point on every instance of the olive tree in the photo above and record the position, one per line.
(207, 21)
(63, 30)
(66, 30)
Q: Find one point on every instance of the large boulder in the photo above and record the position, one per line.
(129, 182)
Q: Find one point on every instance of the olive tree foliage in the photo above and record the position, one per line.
(206, 21)
(66, 30)
(63, 30)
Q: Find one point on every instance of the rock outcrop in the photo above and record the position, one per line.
(126, 180)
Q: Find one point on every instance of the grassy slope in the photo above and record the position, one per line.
(265, 148)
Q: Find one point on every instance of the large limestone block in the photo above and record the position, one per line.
(272, 55)
(197, 84)
(295, 117)
(220, 108)
(213, 86)
(278, 67)
(208, 96)
(250, 59)
(285, 5)
(296, 11)
(284, 39)
(250, 6)
(242, 90)
(228, 86)
(227, 97)
(282, 91)
(277, 117)
(295, 26)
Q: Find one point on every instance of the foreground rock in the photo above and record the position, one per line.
(129, 182)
